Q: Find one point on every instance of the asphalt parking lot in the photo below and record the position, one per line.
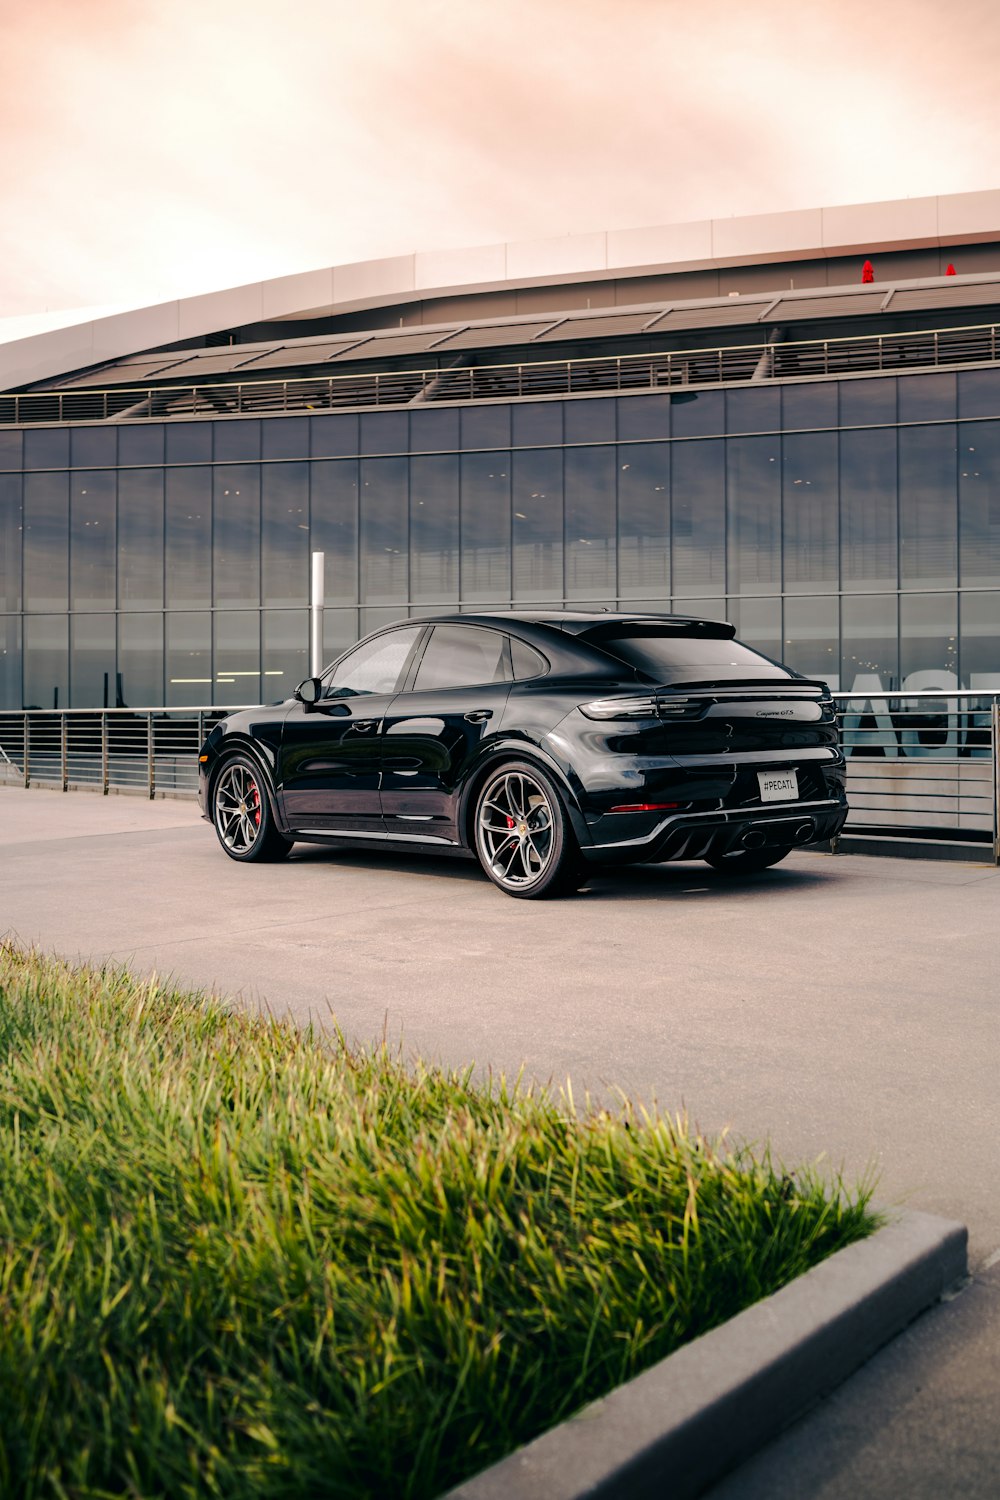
(846, 1008)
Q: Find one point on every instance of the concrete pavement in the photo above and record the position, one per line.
(847, 1008)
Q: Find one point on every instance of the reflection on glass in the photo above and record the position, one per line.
(384, 432)
(536, 422)
(284, 534)
(865, 403)
(592, 420)
(189, 659)
(285, 634)
(644, 520)
(979, 393)
(753, 409)
(537, 523)
(93, 447)
(809, 508)
(434, 500)
(46, 661)
(928, 516)
(92, 661)
(485, 426)
(869, 642)
(10, 541)
(10, 661)
(590, 523)
(333, 436)
(868, 534)
(641, 417)
(758, 624)
(980, 640)
(10, 450)
(698, 489)
(927, 398)
(188, 546)
(92, 541)
(140, 538)
(928, 632)
(979, 501)
(811, 404)
(485, 526)
(697, 413)
(140, 661)
(46, 541)
(46, 447)
(812, 638)
(237, 657)
(384, 530)
(236, 534)
(753, 474)
(334, 526)
(340, 630)
(433, 431)
(189, 442)
(141, 443)
(235, 441)
(284, 437)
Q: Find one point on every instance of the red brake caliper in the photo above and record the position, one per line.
(255, 803)
(511, 823)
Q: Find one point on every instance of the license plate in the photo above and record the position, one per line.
(778, 786)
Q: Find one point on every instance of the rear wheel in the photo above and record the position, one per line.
(242, 814)
(747, 861)
(524, 840)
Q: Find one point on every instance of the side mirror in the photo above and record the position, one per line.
(309, 691)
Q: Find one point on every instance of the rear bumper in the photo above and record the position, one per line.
(693, 835)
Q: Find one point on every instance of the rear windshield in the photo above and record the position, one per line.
(672, 658)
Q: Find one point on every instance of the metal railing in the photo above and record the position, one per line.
(923, 767)
(602, 374)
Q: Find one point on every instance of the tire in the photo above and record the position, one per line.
(242, 813)
(523, 837)
(747, 861)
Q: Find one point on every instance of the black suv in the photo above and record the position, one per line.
(543, 743)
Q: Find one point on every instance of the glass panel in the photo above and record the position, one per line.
(591, 420)
(866, 403)
(189, 659)
(377, 619)
(140, 538)
(868, 534)
(284, 437)
(928, 510)
(676, 658)
(46, 448)
(461, 656)
(188, 538)
(643, 417)
(527, 661)
(928, 640)
(92, 541)
(384, 432)
(286, 651)
(536, 422)
(384, 532)
(340, 630)
(485, 426)
(980, 661)
(698, 488)
(189, 442)
(92, 661)
(10, 542)
(284, 533)
(644, 520)
(10, 450)
(590, 523)
(485, 526)
(46, 542)
(870, 642)
(46, 661)
(809, 508)
(537, 523)
(236, 535)
(927, 398)
(334, 526)
(335, 436)
(753, 472)
(979, 501)
(10, 661)
(432, 431)
(758, 624)
(809, 405)
(235, 440)
(434, 495)
(140, 444)
(93, 447)
(979, 393)
(237, 657)
(376, 665)
(753, 409)
(140, 661)
(697, 413)
(812, 638)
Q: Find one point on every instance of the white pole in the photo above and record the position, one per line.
(316, 615)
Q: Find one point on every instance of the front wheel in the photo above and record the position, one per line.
(242, 814)
(524, 840)
(747, 861)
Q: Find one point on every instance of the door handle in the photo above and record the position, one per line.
(479, 715)
(363, 726)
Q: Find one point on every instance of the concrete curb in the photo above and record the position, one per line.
(681, 1425)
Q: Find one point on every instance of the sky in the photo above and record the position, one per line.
(158, 148)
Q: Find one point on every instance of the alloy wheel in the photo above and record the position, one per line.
(515, 830)
(238, 809)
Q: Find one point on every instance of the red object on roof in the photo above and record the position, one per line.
(951, 270)
(867, 274)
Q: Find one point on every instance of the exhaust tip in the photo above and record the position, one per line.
(753, 839)
(804, 832)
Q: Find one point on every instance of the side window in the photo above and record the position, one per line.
(374, 666)
(527, 661)
(462, 656)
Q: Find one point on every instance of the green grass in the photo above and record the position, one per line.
(238, 1260)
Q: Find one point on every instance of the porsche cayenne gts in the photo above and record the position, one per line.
(543, 743)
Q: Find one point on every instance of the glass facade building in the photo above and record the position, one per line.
(850, 527)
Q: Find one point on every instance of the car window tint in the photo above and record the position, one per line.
(461, 656)
(375, 665)
(527, 661)
(674, 658)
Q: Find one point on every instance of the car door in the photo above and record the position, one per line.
(330, 759)
(435, 730)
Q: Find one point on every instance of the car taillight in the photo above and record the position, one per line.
(644, 807)
(647, 707)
